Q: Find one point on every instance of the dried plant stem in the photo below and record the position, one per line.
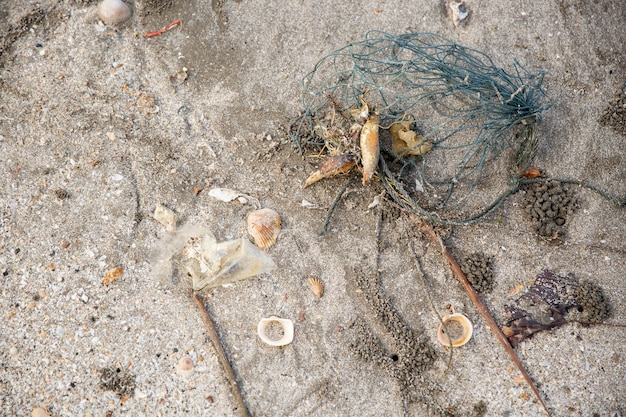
(428, 230)
(221, 356)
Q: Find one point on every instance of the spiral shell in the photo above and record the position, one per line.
(264, 227)
(460, 340)
(370, 147)
(316, 287)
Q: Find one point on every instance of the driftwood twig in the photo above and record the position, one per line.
(221, 355)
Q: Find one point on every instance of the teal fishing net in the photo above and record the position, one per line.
(454, 97)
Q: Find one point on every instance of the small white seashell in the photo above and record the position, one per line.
(270, 329)
(113, 11)
(374, 203)
(264, 227)
(166, 217)
(185, 366)
(456, 339)
(227, 195)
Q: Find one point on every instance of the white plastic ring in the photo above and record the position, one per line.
(287, 330)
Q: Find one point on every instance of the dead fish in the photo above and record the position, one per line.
(331, 166)
(405, 141)
(370, 147)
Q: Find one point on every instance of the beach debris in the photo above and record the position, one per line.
(552, 301)
(166, 217)
(370, 147)
(316, 286)
(264, 227)
(194, 249)
(185, 366)
(331, 166)
(162, 31)
(456, 330)
(113, 11)
(459, 13)
(112, 275)
(227, 195)
(275, 331)
(211, 264)
(179, 78)
(220, 352)
(405, 141)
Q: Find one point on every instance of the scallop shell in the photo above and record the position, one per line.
(370, 147)
(264, 227)
(316, 287)
(465, 336)
(185, 366)
(287, 329)
(113, 11)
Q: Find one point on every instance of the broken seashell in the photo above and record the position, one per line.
(405, 141)
(179, 78)
(456, 339)
(370, 147)
(185, 366)
(316, 287)
(458, 12)
(264, 227)
(166, 217)
(275, 331)
(331, 166)
(227, 195)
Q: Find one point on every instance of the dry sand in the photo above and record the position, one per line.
(93, 136)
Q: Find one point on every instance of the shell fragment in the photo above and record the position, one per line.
(267, 327)
(456, 339)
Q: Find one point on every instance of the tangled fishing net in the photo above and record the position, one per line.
(465, 111)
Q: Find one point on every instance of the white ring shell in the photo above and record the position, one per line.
(287, 326)
(465, 336)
